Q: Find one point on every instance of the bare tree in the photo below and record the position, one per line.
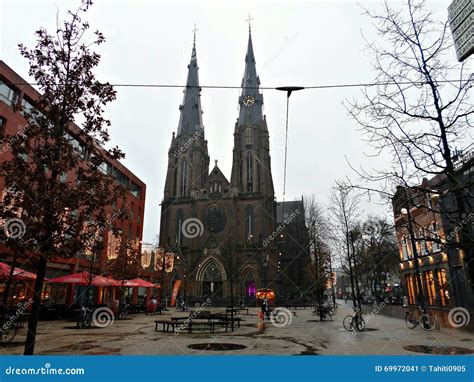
(344, 212)
(419, 112)
(320, 266)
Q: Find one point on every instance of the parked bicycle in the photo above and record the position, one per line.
(325, 311)
(419, 317)
(124, 312)
(354, 322)
(9, 328)
(84, 320)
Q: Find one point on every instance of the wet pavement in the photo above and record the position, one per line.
(297, 334)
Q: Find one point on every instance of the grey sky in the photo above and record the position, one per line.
(295, 43)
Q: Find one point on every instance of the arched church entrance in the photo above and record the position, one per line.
(211, 277)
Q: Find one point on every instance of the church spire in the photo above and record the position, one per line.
(190, 120)
(251, 101)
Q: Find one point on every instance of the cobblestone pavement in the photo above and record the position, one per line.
(303, 336)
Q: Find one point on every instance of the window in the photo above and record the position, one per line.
(434, 235)
(443, 293)
(249, 222)
(7, 94)
(3, 123)
(410, 289)
(26, 106)
(179, 225)
(248, 136)
(430, 287)
(135, 190)
(105, 168)
(405, 255)
(183, 179)
(120, 177)
(249, 169)
(63, 177)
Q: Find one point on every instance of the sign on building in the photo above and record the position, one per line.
(461, 21)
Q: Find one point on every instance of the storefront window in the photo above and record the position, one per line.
(430, 287)
(443, 292)
(410, 289)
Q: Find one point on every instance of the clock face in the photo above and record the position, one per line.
(248, 100)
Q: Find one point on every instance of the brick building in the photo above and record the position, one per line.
(444, 274)
(16, 97)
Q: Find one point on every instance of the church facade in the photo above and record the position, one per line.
(218, 227)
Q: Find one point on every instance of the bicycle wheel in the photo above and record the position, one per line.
(8, 333)
(347, 323)
(360, 324)
(410, 320)
(428, 319)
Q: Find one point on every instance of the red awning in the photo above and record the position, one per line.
(142, 283)
(83, 278)
(18, 273)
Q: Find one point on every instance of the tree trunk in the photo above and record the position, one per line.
(35, 310)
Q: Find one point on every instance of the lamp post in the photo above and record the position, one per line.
(408, 219)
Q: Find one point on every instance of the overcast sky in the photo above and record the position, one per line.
(295, 43)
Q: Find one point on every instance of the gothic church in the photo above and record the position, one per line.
(215, 226)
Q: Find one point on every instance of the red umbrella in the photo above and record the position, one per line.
(142, 283)
(18, 273)
(128, 284)
(83, 278)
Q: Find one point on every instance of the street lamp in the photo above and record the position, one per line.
(288, 90)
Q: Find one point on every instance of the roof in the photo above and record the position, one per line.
(286, 209)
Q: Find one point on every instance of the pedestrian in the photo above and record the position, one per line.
(266, 308)
(345, 299)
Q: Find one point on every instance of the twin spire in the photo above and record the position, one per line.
(190, 120)
(251, 101)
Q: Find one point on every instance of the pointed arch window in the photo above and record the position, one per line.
(183, 178)
(249, 174)
(179, 225)
(249, 222)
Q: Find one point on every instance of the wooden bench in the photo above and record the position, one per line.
(167, 323)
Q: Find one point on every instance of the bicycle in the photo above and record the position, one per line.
(8, 329)
(423, 319)
(84, 320)
(325, 311)
(124, 312)
(354, 322)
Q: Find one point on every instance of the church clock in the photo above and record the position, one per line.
(248, 100)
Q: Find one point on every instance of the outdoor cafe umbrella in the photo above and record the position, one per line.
(142, 283)
(18, 273)
(83, 278)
